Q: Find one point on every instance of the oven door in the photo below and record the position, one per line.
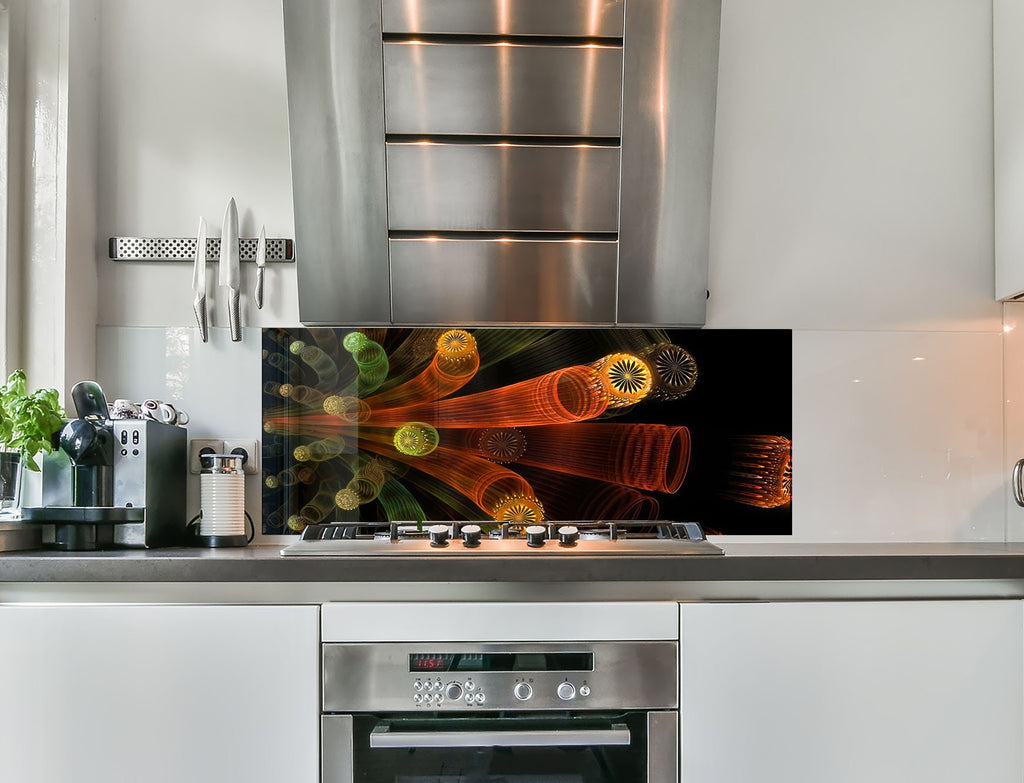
(630, 747)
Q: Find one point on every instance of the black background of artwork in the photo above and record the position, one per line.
(744, 387)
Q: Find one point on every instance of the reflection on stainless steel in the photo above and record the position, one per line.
(616, 538)
(336, 743)
(336, 122)
(662, 743)
(547, 697)
(668, 129)
(627, 675)
(1018, 482)
(444, 88)
(501, 187)
(474, 281)
(593, 18)
(539, 96)
(616, 734)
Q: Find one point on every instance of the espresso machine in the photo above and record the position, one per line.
(112, 483)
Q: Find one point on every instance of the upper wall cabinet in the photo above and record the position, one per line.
(502, 161)
(1008, 105)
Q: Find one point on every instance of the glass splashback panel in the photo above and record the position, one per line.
(526, 425)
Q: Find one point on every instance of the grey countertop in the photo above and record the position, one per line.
(741, 563)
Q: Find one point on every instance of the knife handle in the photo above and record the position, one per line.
(258, 294)
(199, 306)
(234, 317)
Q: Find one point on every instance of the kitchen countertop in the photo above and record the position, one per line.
(746, 571)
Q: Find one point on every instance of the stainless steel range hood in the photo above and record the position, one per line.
(502, 161)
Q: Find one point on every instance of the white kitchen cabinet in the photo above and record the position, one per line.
(852, 692)
(1008, 151)
(161, 694)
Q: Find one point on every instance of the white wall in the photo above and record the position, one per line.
(852, 203)
(193, 112)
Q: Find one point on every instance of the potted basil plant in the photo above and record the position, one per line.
(28, 423)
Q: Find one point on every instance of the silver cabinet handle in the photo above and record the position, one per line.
(383, 737)
(1018, 482)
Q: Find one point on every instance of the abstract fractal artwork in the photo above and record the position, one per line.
(520, 426)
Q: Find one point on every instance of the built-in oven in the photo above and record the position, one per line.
(596, 712)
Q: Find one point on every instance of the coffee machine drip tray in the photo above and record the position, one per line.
(91, 515)
(78, 528)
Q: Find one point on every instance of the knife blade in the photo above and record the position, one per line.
(199, 281)
(229, 272)
(261, 262)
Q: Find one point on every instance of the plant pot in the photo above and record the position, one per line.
(11, 469)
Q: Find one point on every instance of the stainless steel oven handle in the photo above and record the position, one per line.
(383, 737)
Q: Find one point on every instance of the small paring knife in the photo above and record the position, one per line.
(229, 272)
(261, 262)
(199, 282)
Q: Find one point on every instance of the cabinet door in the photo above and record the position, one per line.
(927, 691)
(162, 694)
(1008, 127)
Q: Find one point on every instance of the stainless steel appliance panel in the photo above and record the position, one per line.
(376, 677)
(336, 749)
(595, 18)
(502, 187)
(670, 67)
(662, 747)
(502, 89)
(336, 124)
(616, 734)
(150, 464)
(494, 281)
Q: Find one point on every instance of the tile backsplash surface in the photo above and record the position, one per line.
(898, 435)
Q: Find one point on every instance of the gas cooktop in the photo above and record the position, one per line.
(566, 539)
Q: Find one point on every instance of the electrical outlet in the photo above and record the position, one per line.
(250, 449)
(199, 446)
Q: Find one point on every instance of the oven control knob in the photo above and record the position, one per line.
(568, 535)
(438, 535)
(453, 691)
(584, 690)
(471, 535)
(536, 535)
(522, 691)
(566, 691)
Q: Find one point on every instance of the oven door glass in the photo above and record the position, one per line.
(606, 748)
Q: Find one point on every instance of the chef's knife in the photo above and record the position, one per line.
(261, 261)
(199, 281)
(229, 274)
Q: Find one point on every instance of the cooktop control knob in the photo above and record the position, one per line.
(536, 535)
(438, 535)
(522, 691)
(471, 535)
(568, 535)
(566, 691)
(453, 691)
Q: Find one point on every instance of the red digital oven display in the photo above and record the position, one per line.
(430, 662)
